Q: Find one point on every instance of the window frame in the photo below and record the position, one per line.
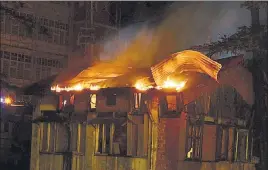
(196, 124)
(222, 148)
(238, 145)
(164, 105)
(129, 137)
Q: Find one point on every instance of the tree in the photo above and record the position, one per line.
(254, 39)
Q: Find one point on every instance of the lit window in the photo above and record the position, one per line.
(171, 102)
(137, 98)
(116, 139)
(72, 99)
(93, 100)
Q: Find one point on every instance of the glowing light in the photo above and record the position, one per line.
(8, 100)
(180, 86)
(2, 100)
(173, 84)
(143, 85)
(17, 105)
(78, 87)
(94, 87)
(168, 84)
(189, 154)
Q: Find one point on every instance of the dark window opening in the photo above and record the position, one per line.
(92, 100)
(111, 100)
(100, 139)
(120, 139)
(222, 143)
(6, 127)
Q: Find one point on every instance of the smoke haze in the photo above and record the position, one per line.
(185, 24)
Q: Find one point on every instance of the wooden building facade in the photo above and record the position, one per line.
(207, 127)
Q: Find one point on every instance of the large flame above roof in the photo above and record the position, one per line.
(114, 74)
(185, 61)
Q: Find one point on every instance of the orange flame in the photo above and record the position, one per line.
(168, 84)
(77, 87)
(8, 100)
(141, 85)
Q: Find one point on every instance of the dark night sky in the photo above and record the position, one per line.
(129, 8)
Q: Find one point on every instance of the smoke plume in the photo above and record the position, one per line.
(184, 24)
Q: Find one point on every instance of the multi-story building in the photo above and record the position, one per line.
(205, 126)
(31, 54)
(38, 39)
(58, 29)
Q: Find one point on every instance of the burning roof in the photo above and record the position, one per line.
(190, 71)
(113, 74)
(185, 61)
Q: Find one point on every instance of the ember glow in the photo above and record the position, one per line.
(142, 87)
(177, 64)
(78, 87)
(170, 84)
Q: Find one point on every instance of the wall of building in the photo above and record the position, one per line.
(94, 23)
(171, 149)
(46, 51)
(167, 142)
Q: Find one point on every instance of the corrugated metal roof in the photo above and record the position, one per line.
(185, 61)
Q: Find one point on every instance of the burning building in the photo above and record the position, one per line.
(186, 112)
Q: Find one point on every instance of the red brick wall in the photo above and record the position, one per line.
(168, 144)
